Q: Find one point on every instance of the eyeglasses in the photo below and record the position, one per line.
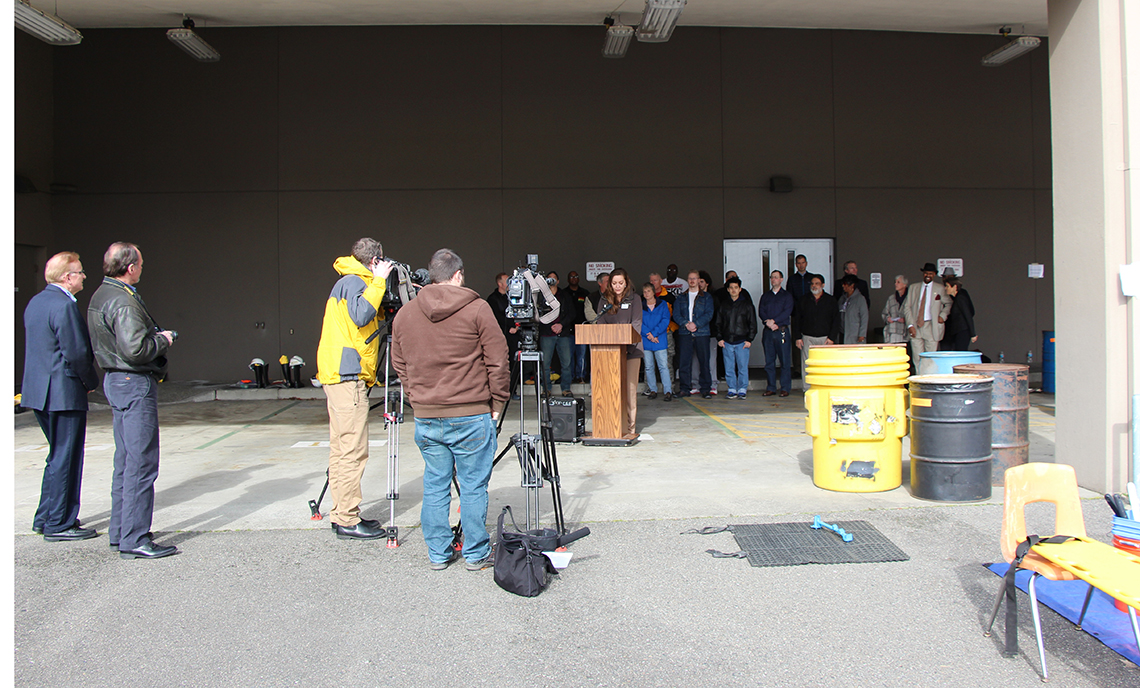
(77, 272)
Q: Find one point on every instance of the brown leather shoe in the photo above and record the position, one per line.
(768, 393)
(783, 392)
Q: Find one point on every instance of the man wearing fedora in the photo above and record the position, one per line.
(925, 309)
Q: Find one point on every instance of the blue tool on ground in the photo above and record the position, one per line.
(843, 534)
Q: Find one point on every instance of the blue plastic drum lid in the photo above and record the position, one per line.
(943, 362)
(1048, 362)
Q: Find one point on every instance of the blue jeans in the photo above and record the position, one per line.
(134, 411)
(658, 362)
(774, 348)
(580, 360)
(686, 345)
(736, 367)
(565, 359)
(463, 447)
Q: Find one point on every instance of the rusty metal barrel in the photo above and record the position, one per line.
(1010, 444)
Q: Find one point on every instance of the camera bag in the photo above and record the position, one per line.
(520, 566)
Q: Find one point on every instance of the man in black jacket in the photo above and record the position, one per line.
(816, 320)
(736, 328)
(131, 350)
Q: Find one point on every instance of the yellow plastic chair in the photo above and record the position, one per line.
(1026, 484)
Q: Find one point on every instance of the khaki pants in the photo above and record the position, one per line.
(632, 368)
(923, 341)
(348, 448)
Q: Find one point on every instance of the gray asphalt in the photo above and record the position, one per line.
(260, 595)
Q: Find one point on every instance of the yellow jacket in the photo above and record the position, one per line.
(350, 333)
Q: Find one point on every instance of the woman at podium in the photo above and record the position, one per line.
(625, 308)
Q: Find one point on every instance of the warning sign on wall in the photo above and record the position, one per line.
(596, 268)
(955, 264)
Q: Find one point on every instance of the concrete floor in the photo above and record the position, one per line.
(263, 595)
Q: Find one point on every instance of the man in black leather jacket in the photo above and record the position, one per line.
(131, 350)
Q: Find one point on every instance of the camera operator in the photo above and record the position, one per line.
(347, 358)
(451, 355)
(131, 350)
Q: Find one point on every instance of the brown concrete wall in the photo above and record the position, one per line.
(242, 180)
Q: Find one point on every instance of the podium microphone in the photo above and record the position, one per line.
(605, 308)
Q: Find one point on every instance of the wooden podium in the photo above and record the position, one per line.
(608, 381)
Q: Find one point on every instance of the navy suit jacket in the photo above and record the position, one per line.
(59, 367)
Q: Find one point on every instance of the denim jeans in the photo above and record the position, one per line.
(736, 367)
(773, 348)
(565, 359)
(687, 344)
(580, 360)
(463, 447)
(658, 362)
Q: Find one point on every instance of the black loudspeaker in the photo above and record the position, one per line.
(567, 418)
(780, 184)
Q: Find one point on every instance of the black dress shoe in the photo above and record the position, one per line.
(72, 533)
(39, 529)
(371, 523)
(360, 531)
(148, 550)
(148, 536)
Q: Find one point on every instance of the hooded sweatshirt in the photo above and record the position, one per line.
(350, 333)
(450, 353)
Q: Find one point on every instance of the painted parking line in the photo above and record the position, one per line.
(325, 444)
(86, 449)
(756, 425)
(247, 426)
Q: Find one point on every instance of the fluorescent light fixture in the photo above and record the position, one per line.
(618, 37)
(1012, 50)
(658, 20)
(192, 43)
(46, 27)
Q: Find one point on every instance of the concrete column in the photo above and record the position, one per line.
(1093, 208)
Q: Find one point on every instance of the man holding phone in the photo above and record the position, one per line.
(347, 359)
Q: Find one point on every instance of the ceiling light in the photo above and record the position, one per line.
(658, 20)
(192, 43)
(617, 39)
(46, 27)
(1012, 50)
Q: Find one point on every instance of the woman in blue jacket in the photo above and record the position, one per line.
(654, 325)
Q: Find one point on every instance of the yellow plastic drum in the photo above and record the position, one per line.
(857, 415)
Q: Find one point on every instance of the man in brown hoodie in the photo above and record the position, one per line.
(451, 356)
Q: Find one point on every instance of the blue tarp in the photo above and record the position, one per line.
(1103, 620)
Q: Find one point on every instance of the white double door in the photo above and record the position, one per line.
(755, 259)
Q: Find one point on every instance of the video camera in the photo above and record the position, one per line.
(523, 288)
(402, 285)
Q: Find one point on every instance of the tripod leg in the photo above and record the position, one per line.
(393, 417)
(550, 471)
(457, 529)
(315, 505)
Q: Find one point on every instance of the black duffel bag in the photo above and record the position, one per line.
(520, 565)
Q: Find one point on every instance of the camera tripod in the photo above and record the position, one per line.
(393, 404)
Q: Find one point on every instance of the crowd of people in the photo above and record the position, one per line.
(446, 327)
(684, 325)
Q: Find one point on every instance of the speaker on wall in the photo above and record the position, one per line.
(780, 184)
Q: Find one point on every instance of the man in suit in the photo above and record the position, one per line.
(926, 308)
(59, 371)
(799, 283)
(131, 350)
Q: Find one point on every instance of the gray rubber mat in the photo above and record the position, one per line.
(791, 544)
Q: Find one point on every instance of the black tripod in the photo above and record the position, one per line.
(393, 404)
